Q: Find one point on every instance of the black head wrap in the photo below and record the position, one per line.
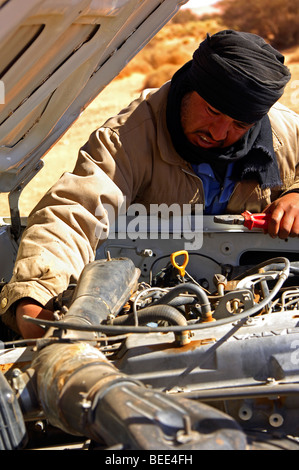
(242, 76)
(239, 74)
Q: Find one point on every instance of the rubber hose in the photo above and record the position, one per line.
(187, 287)
(153, 313)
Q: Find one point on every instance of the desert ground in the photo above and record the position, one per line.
(160, 64)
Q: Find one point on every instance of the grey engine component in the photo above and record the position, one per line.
(157, 367)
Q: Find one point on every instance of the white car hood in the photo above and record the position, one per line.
(56, 56)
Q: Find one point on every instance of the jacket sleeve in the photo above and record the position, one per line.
(285, 126)
(66, 226)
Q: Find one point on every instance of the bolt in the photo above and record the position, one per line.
(245, 413)
(39, 426)
(16, 372)
(86, 404)
(276, 420)
(270, 381)
(147, 252)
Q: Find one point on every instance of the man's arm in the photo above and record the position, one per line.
(64, 230)
(32, 309)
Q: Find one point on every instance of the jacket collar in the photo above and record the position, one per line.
(168, 153)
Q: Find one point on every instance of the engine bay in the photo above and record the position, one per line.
(178, 339)
(164, 349)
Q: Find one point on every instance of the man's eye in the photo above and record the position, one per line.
(241, 125)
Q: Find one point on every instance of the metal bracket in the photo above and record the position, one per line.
(13, 200)
(243, 298)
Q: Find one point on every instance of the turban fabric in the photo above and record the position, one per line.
(239, 74)
(242, 76)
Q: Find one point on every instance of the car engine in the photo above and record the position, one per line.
(175, 338)
(171, 350)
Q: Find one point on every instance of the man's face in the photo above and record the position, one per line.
(206, 127)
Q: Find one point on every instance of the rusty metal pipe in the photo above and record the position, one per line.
(85, 395)
(70, 370)
(103, 288)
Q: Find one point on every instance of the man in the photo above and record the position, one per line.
(212, 136)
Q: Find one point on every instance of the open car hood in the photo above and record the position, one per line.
(56, 56)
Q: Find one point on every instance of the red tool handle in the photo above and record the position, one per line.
(255, 220)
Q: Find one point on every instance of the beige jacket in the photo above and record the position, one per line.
(131, 156)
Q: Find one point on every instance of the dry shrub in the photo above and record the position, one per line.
(166, 55)
(294, 57)
(154, 58)
(136, 65)
(160, 76)
(184, 16)
(274, 20)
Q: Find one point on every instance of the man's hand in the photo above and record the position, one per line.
(32, 309)
(284, 220)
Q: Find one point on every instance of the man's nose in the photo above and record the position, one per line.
(220, 127)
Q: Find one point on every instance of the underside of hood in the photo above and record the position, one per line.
(56, 56)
